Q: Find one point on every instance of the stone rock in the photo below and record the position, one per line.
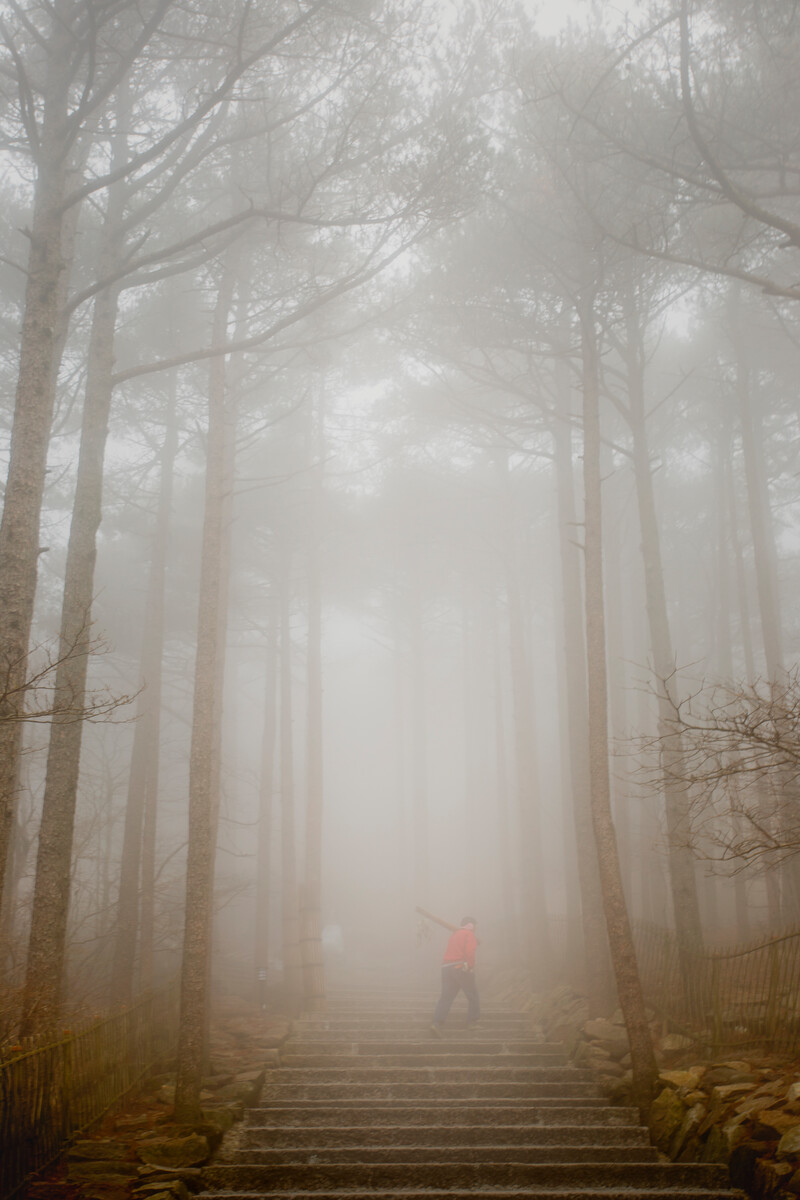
(763, 1131)
(611, 1038)
(793, 1093)
(716, 1147)
(622, 1090)
(793, 1184)
(781, 1122)
(102, 1170)
(187, 1151)
(675, 1041)
(246, 1092)
(723, 1139)
(769, 1178)
(683, 1079)
(789, 1145)
(610, 1070)
(595, 1053)
(221, 1119)
(166, 1094)
(191, 1176)
(212, 1082)
(140, 1122)
(175, 1187)
(666, 1117)
(729, 1091)
(110, 1188)
(254, 1076)
(98, 1151)
(157, 1081)
(688, 1129)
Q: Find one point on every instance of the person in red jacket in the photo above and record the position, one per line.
(458, 974)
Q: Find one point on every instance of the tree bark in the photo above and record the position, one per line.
(48, 933)
(534, 903)
(206, 714)
(40, 346)
(781, 880)
(290, 919)
(419, 737)
(597, 966)
(682, 873)
(311, 944)
(510, 918)
(138, 846)
(266, 792)
(623, 955)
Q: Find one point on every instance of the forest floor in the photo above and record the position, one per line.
(134, 1149)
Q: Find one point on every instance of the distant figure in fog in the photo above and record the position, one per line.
(458, 974)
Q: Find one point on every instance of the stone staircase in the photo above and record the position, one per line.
(368, 1104)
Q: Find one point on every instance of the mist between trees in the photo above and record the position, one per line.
(402, 494)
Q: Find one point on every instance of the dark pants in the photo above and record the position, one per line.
(453, 981)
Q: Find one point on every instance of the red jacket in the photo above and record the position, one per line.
(461, 948)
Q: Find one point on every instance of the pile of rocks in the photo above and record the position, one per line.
(742, 1112)
(142, 1153)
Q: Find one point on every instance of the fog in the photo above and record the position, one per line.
(399, 432)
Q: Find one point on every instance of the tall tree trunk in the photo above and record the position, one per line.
(266, 792)
(781, 880)
(534, 903)
(597, 966)
(682, 873)
(40, 346)
(474, 785)
(623, 955)
(138, 844)
(206, 714)
(618, 695)
(758, 505)
(419, 739)
(46, 947)
(290, 919)
(510, 917)
(723, 642)
(311, 945)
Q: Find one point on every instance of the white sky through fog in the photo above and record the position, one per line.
(552, 15)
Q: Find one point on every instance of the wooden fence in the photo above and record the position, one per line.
(49, 1093)
(727, 1000)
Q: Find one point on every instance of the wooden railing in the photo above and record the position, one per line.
(739, 998)
(51, 1092)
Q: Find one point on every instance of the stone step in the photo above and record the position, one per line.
(418, 1014)
(453, 1032)
(390, 1064)
(388, 1042)
(509, 1136)
(463, 1176)
(347, 1111)
(353, 1069)
(465, 1090)
(371, 1155)
(544, 1193)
